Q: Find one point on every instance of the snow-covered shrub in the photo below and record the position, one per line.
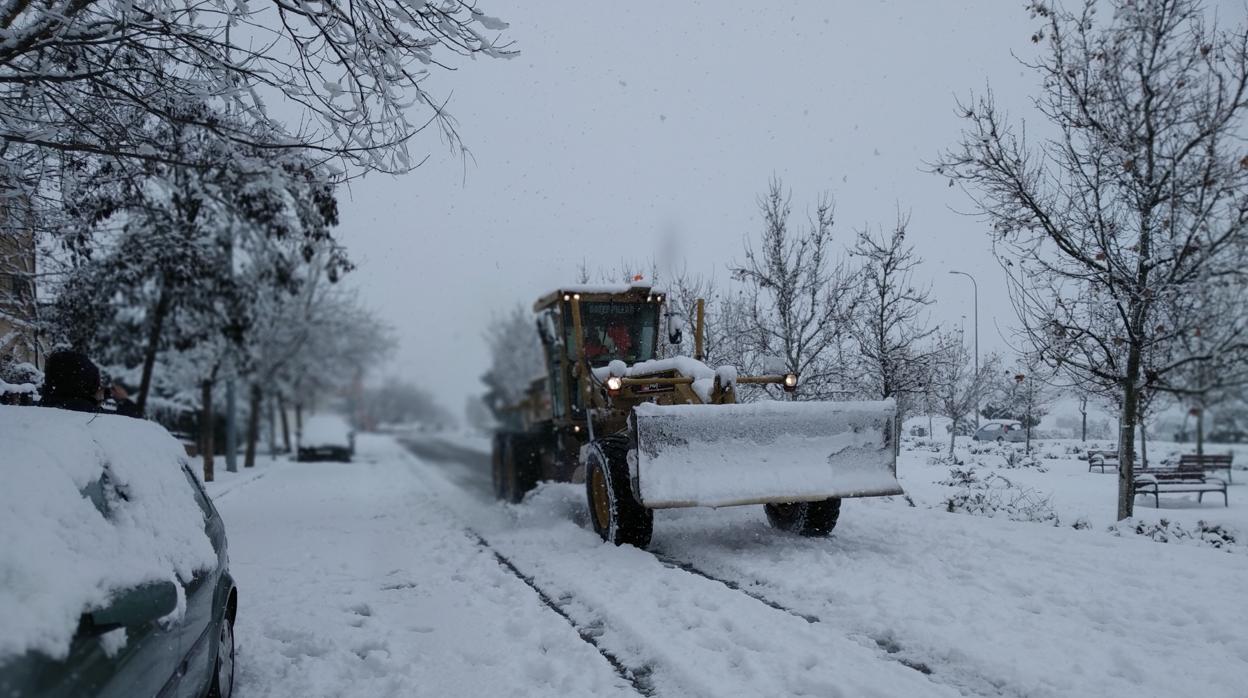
(1017, 459)
(945, 459)
(1166, 531)
(961, 476)
(994, 495)
(1081, 524)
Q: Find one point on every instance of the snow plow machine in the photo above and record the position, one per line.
(645, 433)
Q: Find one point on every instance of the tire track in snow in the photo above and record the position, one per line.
(615, 632)
(638, 678)
(965, 680)
(891, 649)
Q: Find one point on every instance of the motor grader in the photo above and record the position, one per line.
(644, 432)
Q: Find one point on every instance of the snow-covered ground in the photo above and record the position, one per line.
(398, 575)
(1072, 492)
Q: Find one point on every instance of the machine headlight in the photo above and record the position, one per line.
(790, 382)
(614, 384)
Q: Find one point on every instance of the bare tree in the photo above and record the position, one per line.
(1139, 198)
(77, 76)
(1214, 312)
(798, 300)
(722, 313)
(955, 385)
(888, 327)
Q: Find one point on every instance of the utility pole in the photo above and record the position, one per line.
(975, 290)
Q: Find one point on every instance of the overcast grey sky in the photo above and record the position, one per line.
(626, 130)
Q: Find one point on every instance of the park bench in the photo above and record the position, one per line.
(1207, 461)
(1102, 460)
(1191, 478)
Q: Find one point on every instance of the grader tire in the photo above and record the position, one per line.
(519, 466)
(616, 514)
(496, 465)
(805, 518)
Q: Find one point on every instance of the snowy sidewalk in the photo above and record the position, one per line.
(352, 583)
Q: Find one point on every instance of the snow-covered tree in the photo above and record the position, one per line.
(889, 328)
(1219, 331)
(1023, 393)
(1139, 197)
(515, 360)
(955, 385)
(723, 316)
(400, 402)
(798, 301)
(356, 72)
(173, 256)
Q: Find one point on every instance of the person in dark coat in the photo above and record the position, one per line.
(71, 381)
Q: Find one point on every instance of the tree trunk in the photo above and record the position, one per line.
(1083, 412)
(298, 423)
(253, 427)
(1143, 443)
(271, 424)
(1200, 432)
(205, 429)
(281, 412)
(1126, 436)
(953, 436)
(153, 344)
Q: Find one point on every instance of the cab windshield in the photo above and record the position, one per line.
(624, 331)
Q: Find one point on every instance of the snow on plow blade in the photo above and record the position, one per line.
(722, 455)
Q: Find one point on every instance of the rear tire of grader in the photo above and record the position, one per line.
(514, 466)
(496, 465)
(805, 518)
(616, 514)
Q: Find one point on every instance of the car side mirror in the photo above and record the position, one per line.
(136, 606)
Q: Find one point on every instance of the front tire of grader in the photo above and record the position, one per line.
(616, 514)
(805, 518)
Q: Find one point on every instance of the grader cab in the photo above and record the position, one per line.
(646, 432)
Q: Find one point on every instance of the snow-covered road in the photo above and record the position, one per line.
(398, 575)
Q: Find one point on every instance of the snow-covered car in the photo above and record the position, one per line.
(115, 573)
(326, 437)
(1001, 430)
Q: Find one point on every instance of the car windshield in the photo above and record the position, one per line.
(624, 331)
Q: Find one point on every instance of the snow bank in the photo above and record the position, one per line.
(720, 455)
(61, 555)
(325, 430)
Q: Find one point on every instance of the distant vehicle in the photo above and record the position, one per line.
(107, 498)
(1001, 430)
(326, 437)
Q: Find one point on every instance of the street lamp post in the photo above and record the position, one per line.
(975, 290)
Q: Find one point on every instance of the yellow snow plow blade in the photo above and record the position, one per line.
(764, 452)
